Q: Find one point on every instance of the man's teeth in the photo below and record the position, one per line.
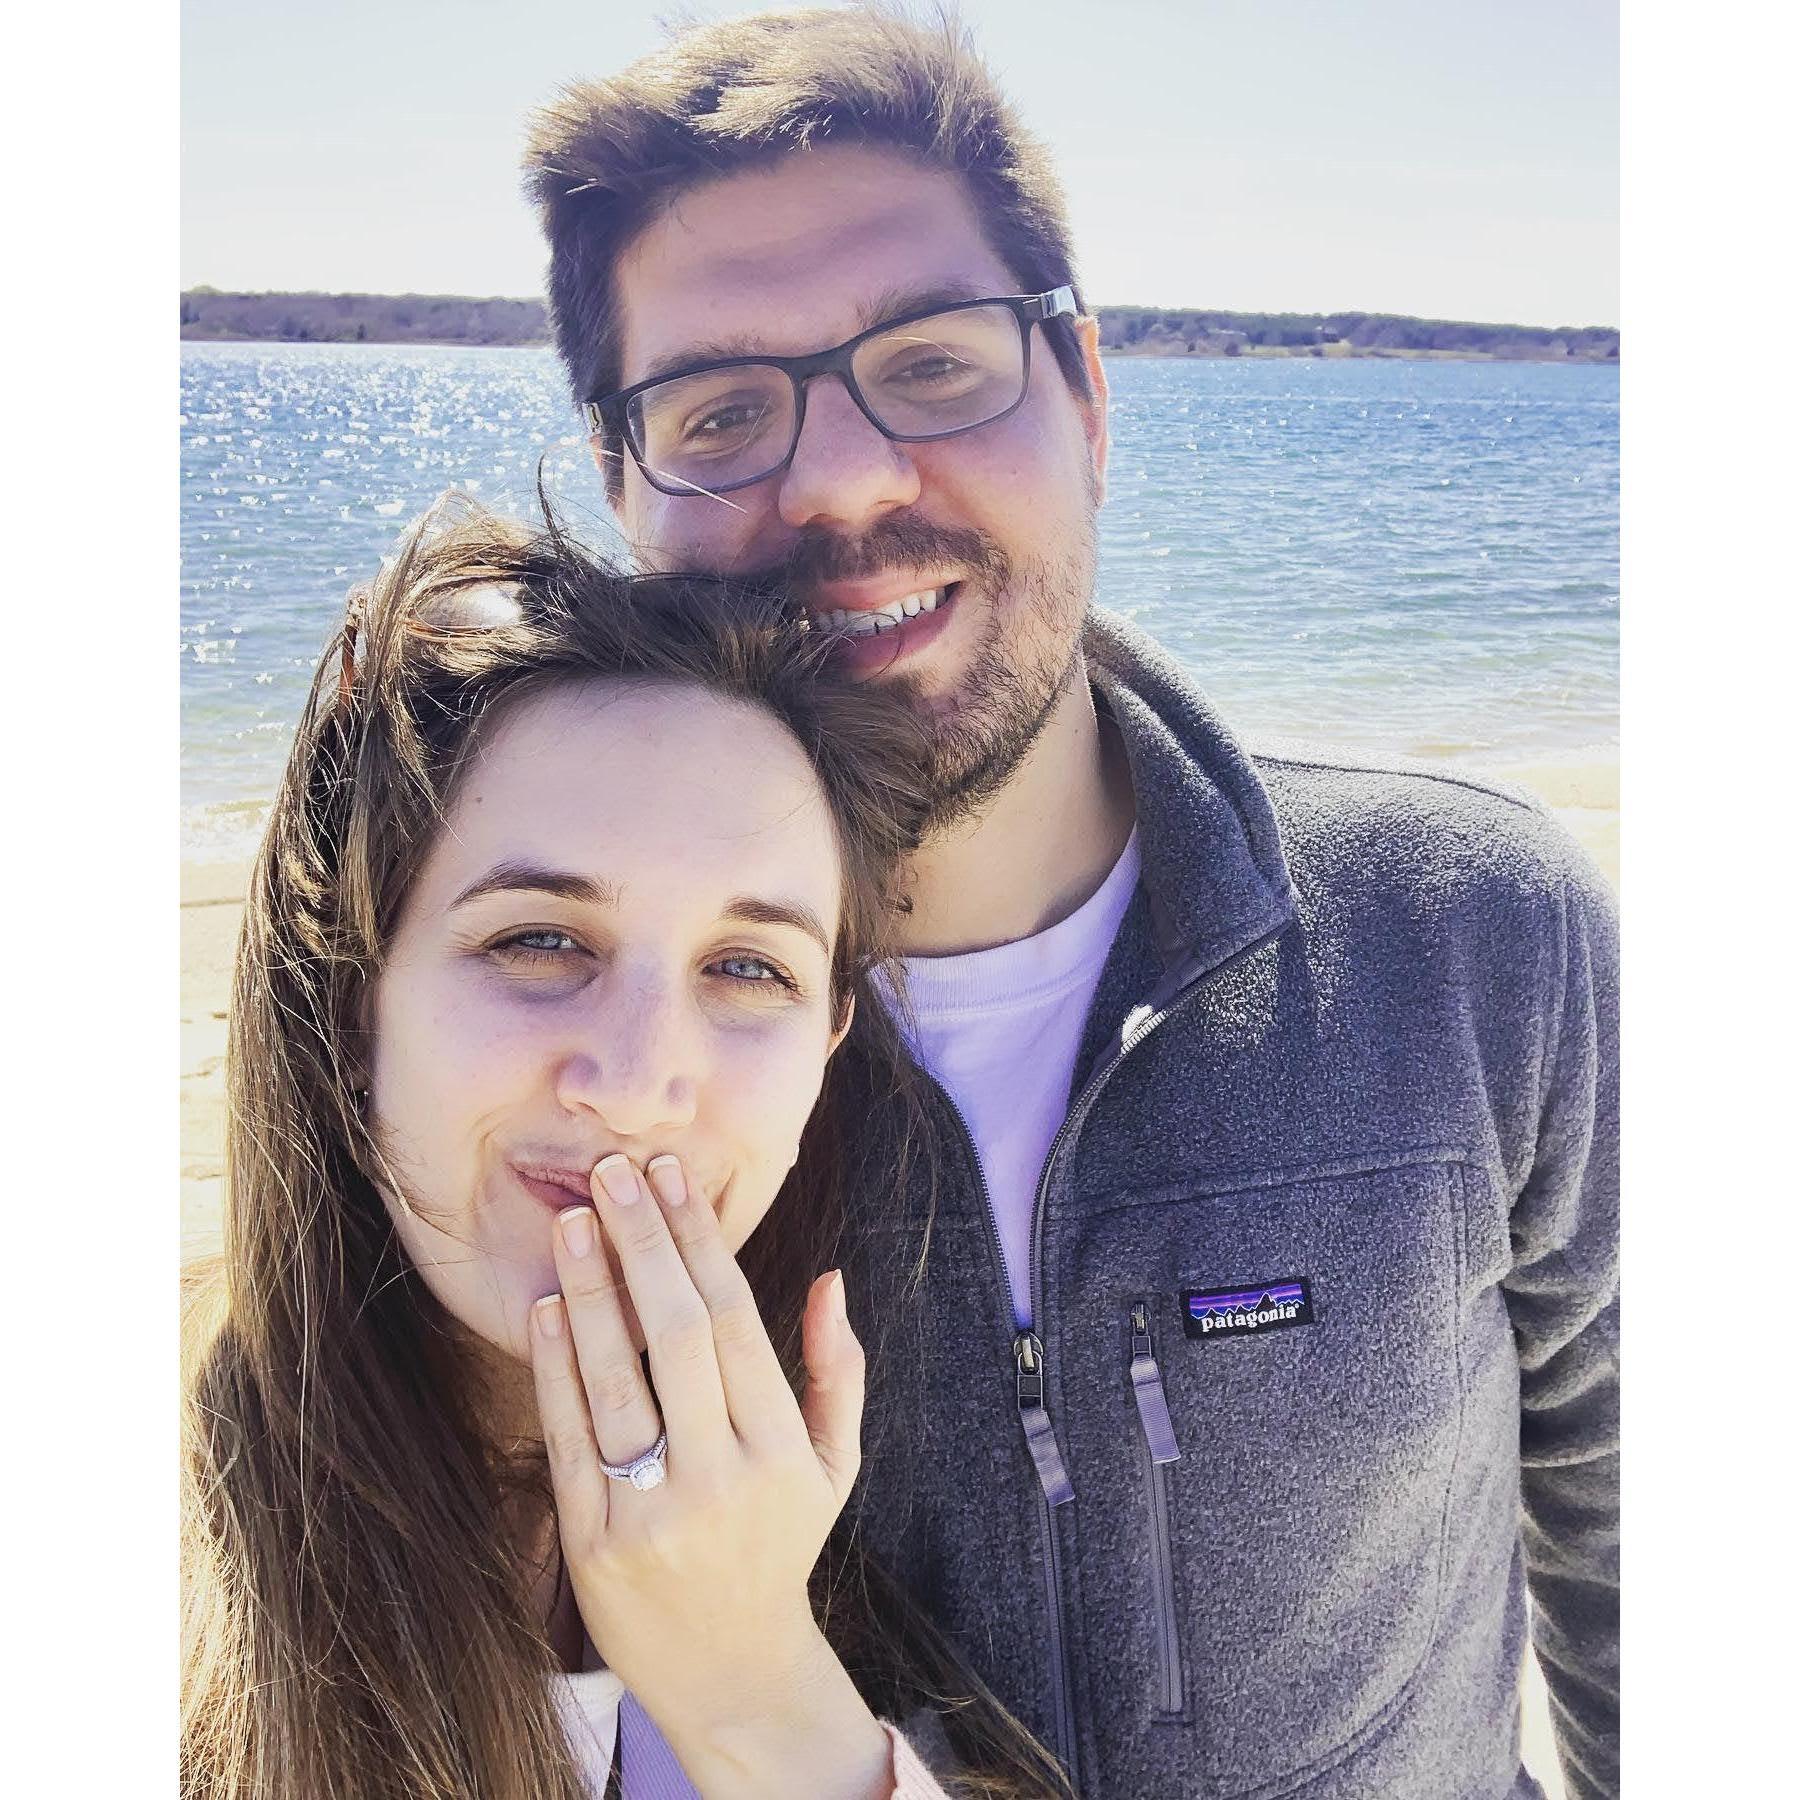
(879, 618)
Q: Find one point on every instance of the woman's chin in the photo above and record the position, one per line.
(506, 1334)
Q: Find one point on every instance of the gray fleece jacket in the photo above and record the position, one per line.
(1323, 1375)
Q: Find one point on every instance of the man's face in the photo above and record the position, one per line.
(997, 524)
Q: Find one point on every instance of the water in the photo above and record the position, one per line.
(1391, 556)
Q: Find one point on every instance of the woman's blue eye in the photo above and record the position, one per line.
(753, 969)
(542, 944)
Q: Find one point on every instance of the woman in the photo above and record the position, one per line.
(567, 903)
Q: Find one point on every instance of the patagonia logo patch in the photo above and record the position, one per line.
(1253, 1307)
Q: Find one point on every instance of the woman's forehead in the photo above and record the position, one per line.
(652, 788)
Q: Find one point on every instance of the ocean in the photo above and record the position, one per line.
(1418, 558)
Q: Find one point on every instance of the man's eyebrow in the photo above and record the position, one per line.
(740, 348)
(531, 878)
(747, 909)
(896, 302)
(744, 346)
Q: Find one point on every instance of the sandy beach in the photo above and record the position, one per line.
(1584, 795)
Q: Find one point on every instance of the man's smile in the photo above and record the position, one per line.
(860, 621)
(878, 605)
(869, 637)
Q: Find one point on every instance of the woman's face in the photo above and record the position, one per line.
(619, 941)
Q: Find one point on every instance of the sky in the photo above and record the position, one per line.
(1445, 158)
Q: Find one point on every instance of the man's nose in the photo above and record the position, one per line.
(634, 1066)
(844, 474)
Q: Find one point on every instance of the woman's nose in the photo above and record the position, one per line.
(634, 1066)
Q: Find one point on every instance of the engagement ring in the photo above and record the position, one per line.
(643, 1472)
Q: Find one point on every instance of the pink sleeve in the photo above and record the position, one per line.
(912, 1780)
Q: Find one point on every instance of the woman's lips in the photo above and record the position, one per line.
(557, 1189)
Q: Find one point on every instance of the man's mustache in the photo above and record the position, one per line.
(898, 542)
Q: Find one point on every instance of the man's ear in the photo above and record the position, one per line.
(842, 1029)
(1093, 411)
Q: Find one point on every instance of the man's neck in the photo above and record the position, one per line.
(1038, 850)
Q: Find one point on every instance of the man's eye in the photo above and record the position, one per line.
(927, 371)
(725, 422)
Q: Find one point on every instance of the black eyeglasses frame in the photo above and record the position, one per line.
(609, 411)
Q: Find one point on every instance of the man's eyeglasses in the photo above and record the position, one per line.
(724, 425)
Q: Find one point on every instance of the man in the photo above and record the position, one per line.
(1271, 1253)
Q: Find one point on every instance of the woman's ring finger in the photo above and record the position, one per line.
(628, 1428)
(643, 1472)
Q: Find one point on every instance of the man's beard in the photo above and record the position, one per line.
(981, 731)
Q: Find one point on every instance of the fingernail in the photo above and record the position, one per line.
(548, 1315)
(577, 1230)
(666, 1178)
(838, 1310)
(619, 1179)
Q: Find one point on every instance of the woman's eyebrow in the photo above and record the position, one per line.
(748, 910)
(532, 878)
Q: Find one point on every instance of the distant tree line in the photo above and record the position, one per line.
(362, 318)
(1142, 330)
(1160, 330)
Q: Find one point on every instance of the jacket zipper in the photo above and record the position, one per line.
(1161, 1449)
(1030, 1366)
(1046, 1458)
(1139, 1023)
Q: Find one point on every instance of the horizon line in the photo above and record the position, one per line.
(1096, 307)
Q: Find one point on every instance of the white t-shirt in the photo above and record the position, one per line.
(589, 1705)
(999, 1031)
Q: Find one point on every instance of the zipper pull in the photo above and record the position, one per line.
(1147, 1390)
(1040, 1435)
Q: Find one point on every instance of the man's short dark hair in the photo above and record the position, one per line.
(605, 158)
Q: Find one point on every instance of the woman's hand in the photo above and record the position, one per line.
(694, 1591)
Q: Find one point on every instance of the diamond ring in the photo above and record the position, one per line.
(643, 1472)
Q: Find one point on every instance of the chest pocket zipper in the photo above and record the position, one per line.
(1161, 1449)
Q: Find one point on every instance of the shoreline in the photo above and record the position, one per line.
(1338, 352)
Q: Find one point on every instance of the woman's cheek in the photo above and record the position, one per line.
(446, 1069)
(766, 1100)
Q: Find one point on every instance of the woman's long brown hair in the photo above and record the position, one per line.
(359, 1620)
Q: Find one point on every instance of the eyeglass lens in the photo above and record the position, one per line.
(926, 378)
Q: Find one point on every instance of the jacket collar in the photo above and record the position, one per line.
(1213, 866)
